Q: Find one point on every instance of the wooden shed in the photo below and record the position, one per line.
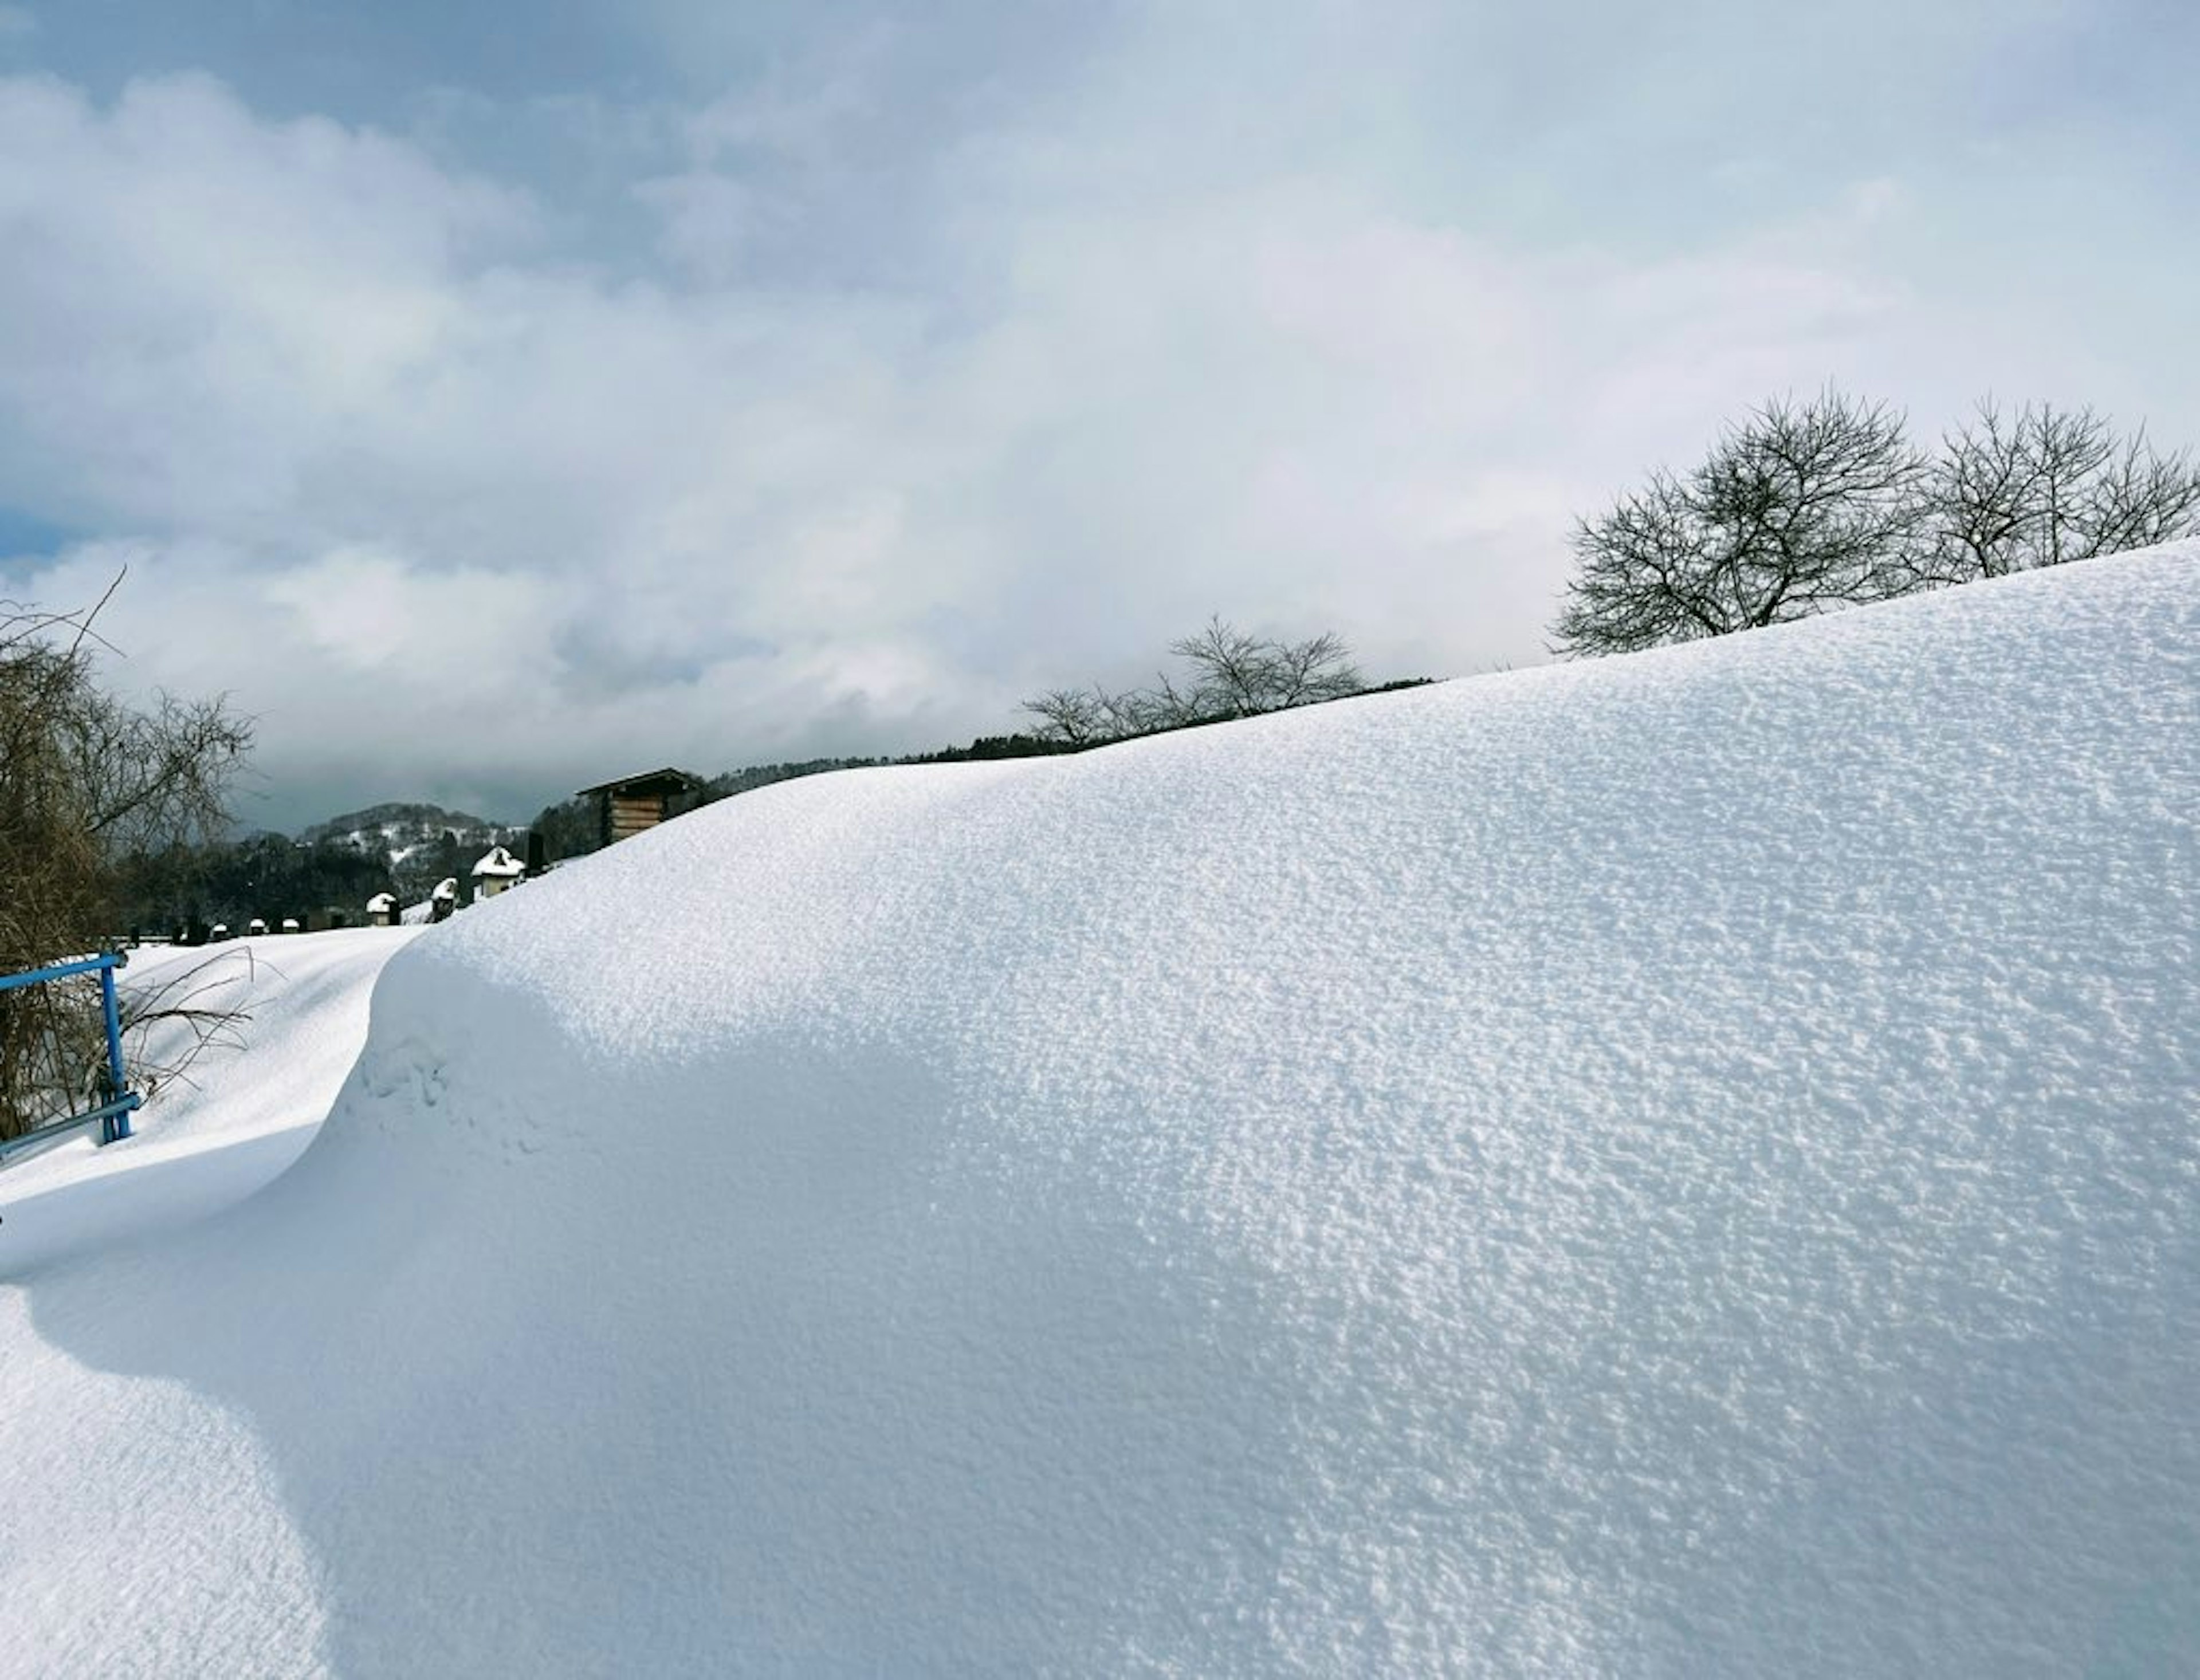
(626, 807)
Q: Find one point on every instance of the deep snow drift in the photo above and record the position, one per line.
(1680, 1165)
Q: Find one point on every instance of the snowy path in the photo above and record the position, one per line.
(196, 1151)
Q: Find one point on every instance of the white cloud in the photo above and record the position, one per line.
(446, 506)
(196, 301)
(707, 219)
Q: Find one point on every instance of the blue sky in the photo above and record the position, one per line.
(496, 397)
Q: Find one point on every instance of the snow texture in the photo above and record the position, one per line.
(1679, 1165)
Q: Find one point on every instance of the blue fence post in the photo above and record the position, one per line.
(113, 1116)
(116, 1125)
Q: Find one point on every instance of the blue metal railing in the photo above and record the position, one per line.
(111, 1116)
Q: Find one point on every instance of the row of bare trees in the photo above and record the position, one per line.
(1804, 506)
(1226, 673)
(87, 784)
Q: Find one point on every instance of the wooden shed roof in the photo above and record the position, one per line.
(667, 780)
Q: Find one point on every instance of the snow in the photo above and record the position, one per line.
(497, 862)
(421, 914)
(1678, 1166)
(195, 1151)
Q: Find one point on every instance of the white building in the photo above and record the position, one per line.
(496, 871)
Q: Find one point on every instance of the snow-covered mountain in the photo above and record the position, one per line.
(410, 838)
(399, 830)
(1684, 1164)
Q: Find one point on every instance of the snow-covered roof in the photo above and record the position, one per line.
(1674, 1165)
(381, 903)
(665, 780)
(446, 888)
(497, 862)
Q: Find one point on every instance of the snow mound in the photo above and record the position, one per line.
(1679, 1165)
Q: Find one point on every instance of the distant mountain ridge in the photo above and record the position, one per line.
(399, 819)
(411, 839)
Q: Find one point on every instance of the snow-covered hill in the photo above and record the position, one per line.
(411, 834)
(1680, 1165)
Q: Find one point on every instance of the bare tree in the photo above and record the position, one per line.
(2046, 485)
(1318, 668)
(1240, 675)
(1085, 717)
(1166, 705)
(86, 782)
(1230, 670)
(1801, 508)
(1072, 714)
(1233, 674)
(197, 1007)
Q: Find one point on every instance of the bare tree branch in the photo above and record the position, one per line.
(87, 785)
(2046, 486)
(1231, 674)
(1805, 508)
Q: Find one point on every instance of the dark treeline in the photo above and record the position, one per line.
(331, 868)
(269, 875)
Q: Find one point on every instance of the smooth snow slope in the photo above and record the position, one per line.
(1681, 1165)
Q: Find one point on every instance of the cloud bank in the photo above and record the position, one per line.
(837, 410)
